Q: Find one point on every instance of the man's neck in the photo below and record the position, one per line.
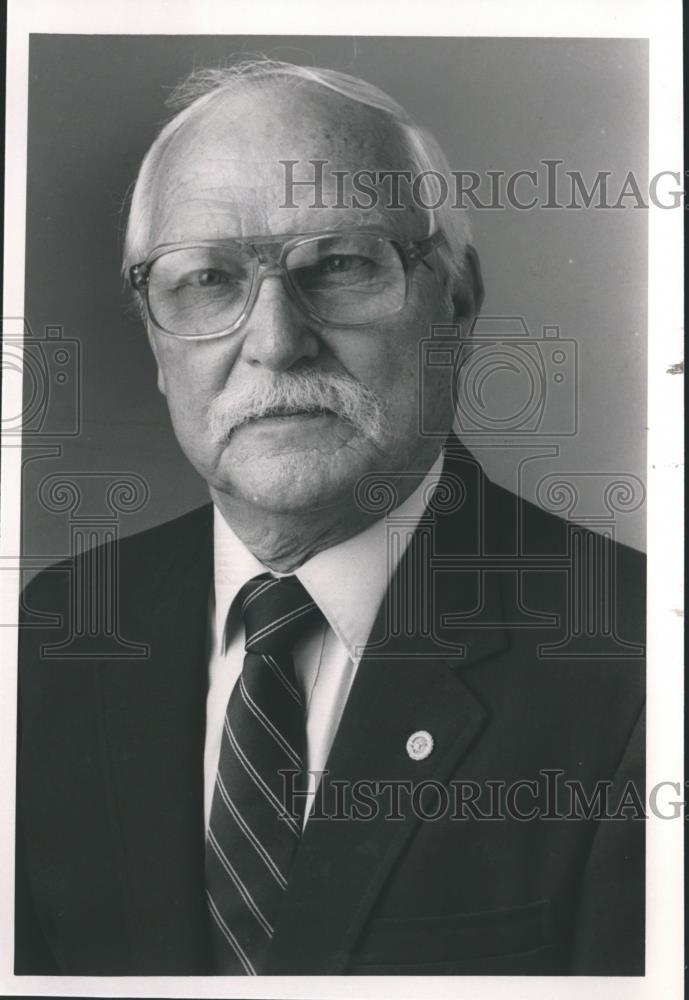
(284, 541)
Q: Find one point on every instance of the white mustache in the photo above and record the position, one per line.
(292, 392)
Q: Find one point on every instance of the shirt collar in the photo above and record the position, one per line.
(348, 581)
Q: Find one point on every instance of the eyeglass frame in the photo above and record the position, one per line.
(411, 254)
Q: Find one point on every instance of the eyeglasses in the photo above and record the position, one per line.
(348, 278)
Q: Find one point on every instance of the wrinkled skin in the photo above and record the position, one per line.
(286, 485)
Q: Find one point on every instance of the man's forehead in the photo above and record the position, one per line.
(232, 166)
(265, 120)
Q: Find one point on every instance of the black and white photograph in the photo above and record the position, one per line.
(341, 501)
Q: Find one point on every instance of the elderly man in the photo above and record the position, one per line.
(344, 752)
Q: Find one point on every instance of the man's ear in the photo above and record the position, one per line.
(154, 348)
(467, 299)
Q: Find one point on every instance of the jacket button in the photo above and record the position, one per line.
(420, 745)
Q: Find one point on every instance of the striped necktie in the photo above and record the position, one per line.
(253, 831)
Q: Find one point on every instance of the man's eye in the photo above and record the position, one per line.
(210, 278)
(341, 263)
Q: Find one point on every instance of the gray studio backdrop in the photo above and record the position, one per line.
(504, 104)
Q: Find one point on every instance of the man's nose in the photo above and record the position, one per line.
(277, 334)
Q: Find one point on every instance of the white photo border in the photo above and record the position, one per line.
(661, 24)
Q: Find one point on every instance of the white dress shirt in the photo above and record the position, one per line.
(348, 583)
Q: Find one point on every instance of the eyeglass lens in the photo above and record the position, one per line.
(348, 279)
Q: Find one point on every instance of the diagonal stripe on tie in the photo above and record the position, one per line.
(259, 714)
(273, 796)
(253, 835)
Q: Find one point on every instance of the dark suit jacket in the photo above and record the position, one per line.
(495, 656)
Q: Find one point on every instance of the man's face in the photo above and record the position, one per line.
(221, 177)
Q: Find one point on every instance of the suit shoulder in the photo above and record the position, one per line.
(544, 531)
(136, 553)
(612, 573)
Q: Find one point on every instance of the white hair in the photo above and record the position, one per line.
(205, 86)
(264, 394)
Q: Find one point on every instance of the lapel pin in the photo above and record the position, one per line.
(420, 745)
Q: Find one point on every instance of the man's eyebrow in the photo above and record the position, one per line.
(350, 218)
(341, 221)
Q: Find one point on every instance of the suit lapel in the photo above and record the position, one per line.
(406, 682)
(154, 723)
(342, 865)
